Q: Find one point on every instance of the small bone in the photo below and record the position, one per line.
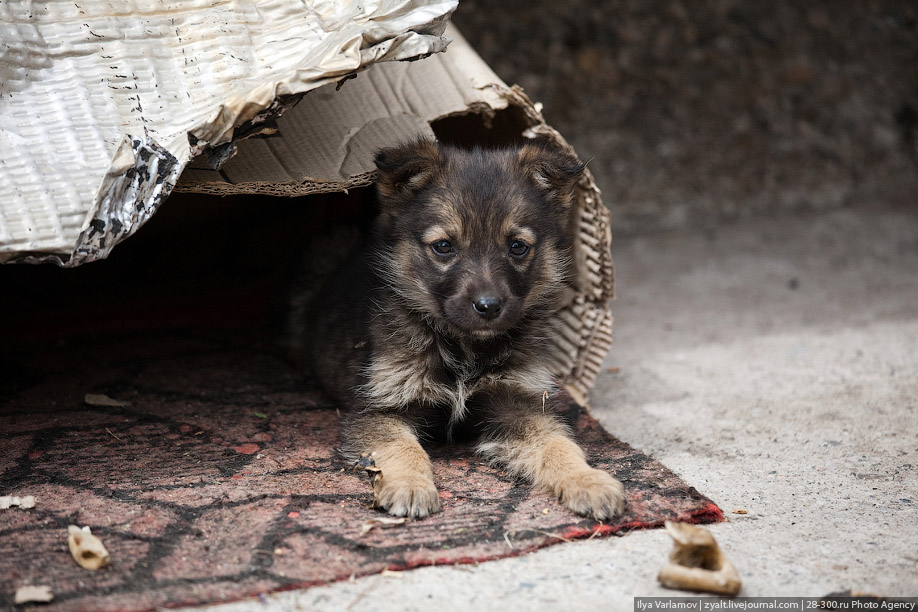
(33, 594)
(696, 562)
(8, 501)
(86, 549)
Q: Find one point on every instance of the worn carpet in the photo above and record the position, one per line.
(207, 467)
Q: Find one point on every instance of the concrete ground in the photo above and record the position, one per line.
(773, 364)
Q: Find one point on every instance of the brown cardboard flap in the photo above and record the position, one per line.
(327, 141)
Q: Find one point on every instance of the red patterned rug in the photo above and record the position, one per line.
(206, 465)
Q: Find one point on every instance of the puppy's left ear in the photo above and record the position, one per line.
(553, 170)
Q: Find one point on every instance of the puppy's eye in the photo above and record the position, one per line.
(519, 249)
(442, 247)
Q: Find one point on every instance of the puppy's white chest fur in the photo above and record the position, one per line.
(397, 379)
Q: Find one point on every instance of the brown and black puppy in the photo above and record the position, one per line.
(437, 326)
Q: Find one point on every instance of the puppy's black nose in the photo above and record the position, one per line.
(487, 306)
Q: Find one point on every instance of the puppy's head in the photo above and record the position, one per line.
(476, 240)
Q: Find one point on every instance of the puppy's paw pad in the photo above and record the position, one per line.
(414, 497)
(594, 493)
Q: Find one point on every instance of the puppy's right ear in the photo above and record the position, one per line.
(552, 169)
(406, 168)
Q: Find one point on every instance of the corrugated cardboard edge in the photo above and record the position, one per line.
(583, 334)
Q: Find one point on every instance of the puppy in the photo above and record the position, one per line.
(436, 328)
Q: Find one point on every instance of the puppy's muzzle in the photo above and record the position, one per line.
(487, 307)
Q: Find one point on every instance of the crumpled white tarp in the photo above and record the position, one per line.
(102, 104)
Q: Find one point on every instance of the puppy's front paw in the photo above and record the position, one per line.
(406, 494)
(593, 493)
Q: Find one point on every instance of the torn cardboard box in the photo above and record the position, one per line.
(327, 143)
(103, 104)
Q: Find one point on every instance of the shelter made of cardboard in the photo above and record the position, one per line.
(103, 114)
